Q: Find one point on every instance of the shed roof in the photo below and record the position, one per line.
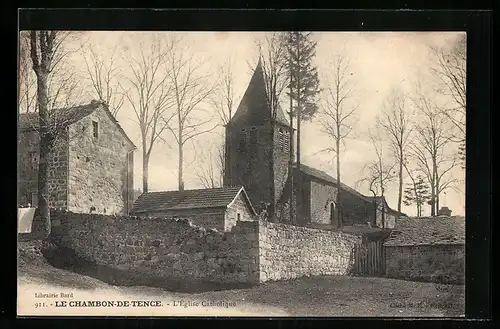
(441, 230)
(189, 199)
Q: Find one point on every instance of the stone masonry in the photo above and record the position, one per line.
(90, 166)
(426, 262)
(252, 252)
(98, 167)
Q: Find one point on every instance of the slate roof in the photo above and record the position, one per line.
(391, 211)
(321, 175)
(415, 231)
(188, 199)
(253, 107)
(69, 116)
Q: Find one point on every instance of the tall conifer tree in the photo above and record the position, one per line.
(303, 90)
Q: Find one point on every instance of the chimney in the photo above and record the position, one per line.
(444, 211)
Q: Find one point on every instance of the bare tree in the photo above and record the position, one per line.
(451, 69)
(210, 169)
(396, 121)
(191, 89)
(223, 96)
(27, 81)
(150, 95)
(431, 149)
(379, 173)
(103, 77)
(337, 114)
(47, 51)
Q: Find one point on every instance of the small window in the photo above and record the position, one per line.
(281, 139)
(34, 200)
(34, 160)
(95, 126)
(239, 217)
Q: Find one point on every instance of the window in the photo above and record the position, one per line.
(95, 126)
(286, 143)
(253, 140)
(239, 217)
(242, 147)
(281, 139)
(34, 160)
(34, 200)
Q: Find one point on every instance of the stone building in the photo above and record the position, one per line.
(90, 165)
(219, 208)
(427, 248)
(258, 157)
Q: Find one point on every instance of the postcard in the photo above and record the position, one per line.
(229, 173)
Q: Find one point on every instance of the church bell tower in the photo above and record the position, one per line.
(257, 146)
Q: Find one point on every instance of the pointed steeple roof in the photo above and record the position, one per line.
(253, 108)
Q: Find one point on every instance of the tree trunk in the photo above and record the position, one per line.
(339, 210)
(145, 171)
(290, 167)
(400, 195)
(181, 160)
(45, 146)
(298, 201)
(272, 181)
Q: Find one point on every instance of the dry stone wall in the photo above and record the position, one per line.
(252, 252)
(426, 263)
(161, 247)
(288, 252)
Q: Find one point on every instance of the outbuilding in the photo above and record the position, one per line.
(218, 208)
(427, 249)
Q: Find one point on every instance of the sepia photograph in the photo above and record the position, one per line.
(276, 173)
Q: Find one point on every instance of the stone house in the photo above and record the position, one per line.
(90, 165)
(219, 208)
(257, 152)
(427, 248)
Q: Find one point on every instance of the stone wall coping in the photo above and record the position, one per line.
(425, 245)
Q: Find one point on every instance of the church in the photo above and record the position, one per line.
(258, 176)
(257, 157)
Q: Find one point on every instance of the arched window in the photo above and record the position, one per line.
(333, 213)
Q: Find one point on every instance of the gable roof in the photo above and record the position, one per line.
(253, 107)
(382, 199)
(189, 199)
(321, 175)
(428, 231)
(70, 115)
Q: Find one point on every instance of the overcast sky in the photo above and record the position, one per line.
(379, 62)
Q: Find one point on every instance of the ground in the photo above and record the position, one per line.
(319, 296)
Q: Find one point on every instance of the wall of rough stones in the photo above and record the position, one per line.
(426, 263)
(161, 247)
(322, 196)
(253, 251)
(98, 167)
(288, 252)
(29, 141)
(240, 206)
(208, 218)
